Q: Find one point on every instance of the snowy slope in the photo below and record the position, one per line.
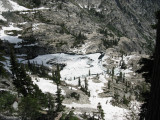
(9, 5)
(79, 66)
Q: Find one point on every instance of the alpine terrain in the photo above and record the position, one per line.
(75, 59)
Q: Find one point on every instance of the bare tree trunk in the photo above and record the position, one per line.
(154, 102)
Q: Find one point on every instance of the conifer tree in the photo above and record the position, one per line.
(79, 81)
(21, 80)
(153, 107)
(86, 84)
(89, 73)
(43, 72)
(14, 63)
(112, 73)
(57, 76)
(28, 108)
(109, 84)
(123, 78)
(2, 59)
(120, 77)
(51, 107)
(123, 65)
(59, 100)
(100, 110)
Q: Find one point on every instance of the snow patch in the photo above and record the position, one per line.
(17, 7)
(11, 39)
(46, 85)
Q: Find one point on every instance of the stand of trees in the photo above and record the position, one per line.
(150, 109)
(153, 105)
(33, 101)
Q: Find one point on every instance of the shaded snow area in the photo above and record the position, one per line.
(79, 66)
(7, 62)
(9, 38)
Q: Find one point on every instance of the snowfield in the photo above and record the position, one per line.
(79, 66)
(76, 65)
(46, 85)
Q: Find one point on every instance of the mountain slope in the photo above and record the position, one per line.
(122, 25)
(118, 28)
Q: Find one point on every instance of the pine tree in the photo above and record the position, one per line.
(79, 81)
(123, 78)
(86, 84)
(43, 72)
(26, 85)
(123, 65)
(59, 100)
(153, 109)
(53, 76)
(29, 65)
(146, 70)
(14, 63)
(58, 76)
(100, 110)
(125, 101)
(109, 84)
(21, 80)
(112, 73)
(51, 107)
(120, 77)
(89, 73)
(2, 59)
(28, 108)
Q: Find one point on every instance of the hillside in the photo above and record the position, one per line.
(95, 45)
(106, 24)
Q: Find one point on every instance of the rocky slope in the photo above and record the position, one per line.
(123, 25)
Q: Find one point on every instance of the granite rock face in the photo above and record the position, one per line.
(126, 22)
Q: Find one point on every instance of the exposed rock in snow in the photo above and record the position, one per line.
(11, 39)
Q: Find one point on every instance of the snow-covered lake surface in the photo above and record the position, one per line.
(79, 65)
(76, 65)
